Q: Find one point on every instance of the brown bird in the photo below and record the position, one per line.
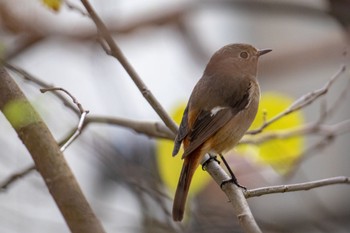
(222, 106)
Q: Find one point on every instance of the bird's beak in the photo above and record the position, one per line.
(263, 51)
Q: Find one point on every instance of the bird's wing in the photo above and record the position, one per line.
(183, 131)
(208, 122)
(205, 126)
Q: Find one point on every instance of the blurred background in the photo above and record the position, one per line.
(129, 178)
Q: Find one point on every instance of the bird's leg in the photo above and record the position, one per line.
(233, 177)
(211, 157)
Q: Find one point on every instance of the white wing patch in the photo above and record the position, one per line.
(215, 110)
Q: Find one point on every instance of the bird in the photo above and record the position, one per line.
(221, 108)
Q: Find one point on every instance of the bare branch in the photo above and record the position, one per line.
(28, 77)
(326, 113)
(235, 195)
(76, 133)
(76, 8)
(152, 129)
(302, 102)
(22, 44)
(308, 129)
(49, 161)
(75, 101)
(83, 114)
(296, 187)
(118, 54)
(26, 171)
(320, 145)
(16, 176)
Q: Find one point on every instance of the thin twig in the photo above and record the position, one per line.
(67, 142)
(71, 6)
(317, 147)
(302, 102)
(151, 129)
(332, 110)
(118, 54)
(22, 44)
(296, 187)
(49, 161)
(307, 129)
(24, 172)
(28, 77)
(83, 114)
(75, 101)
(16, 176)
(76, 133)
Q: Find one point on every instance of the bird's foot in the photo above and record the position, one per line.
(211, 157)
(234, 181)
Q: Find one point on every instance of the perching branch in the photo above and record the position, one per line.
(115, 51)
(235, 195)
(48, 159)
(296, 187)
(242, 209)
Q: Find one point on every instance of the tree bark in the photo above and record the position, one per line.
(48, 158)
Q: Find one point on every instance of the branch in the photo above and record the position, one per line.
(14, 177)
(296, 187)
(235, 195)
(71, 6)
(151, 129)
(330, 130)
(22, 44)
(28, 77)
(63, 146)
(302, 102)
(48, 159)
(320, 145)
(118, 54)
(83, 114)
(327, 113)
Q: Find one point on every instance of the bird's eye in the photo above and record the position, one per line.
(244, 55)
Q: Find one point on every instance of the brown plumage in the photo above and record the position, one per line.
(222, 106)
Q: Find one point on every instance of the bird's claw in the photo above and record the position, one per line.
(211, 157)
(234, 181)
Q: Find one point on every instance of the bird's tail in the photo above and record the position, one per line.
(190, 165)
